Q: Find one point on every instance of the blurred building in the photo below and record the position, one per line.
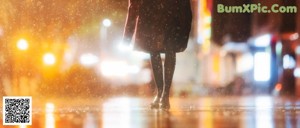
(222, 58)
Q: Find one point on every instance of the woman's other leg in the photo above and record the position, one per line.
(169, 67)
(158, 77)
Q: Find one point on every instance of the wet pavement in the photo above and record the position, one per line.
(133, 112)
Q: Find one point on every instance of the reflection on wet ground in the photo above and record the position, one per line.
(126, 112)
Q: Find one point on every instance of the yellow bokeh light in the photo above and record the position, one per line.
(49, 59)
(22, 44)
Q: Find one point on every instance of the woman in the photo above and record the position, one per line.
(159, 26)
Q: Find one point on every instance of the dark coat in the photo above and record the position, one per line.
(158, 25)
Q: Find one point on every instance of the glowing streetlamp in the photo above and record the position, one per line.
(49, 59)
(106, 22)
(22, 44)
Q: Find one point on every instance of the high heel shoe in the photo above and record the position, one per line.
(164, 104)
(155, 103)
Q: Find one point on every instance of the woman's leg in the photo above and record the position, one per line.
(158, 77)
(169, 68)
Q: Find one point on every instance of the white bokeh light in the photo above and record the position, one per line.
(22, 44)
(88, 59)
(49, 59)
(106, 22)
(262, 62)
(263, 41)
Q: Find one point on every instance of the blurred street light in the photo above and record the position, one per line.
(114, 68)
(263, 41)
(22, 44)
(262, 62)
(294, 36)
(49, 59)
(106, 22)
(88, 59)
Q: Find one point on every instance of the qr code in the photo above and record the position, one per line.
(17, 110)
